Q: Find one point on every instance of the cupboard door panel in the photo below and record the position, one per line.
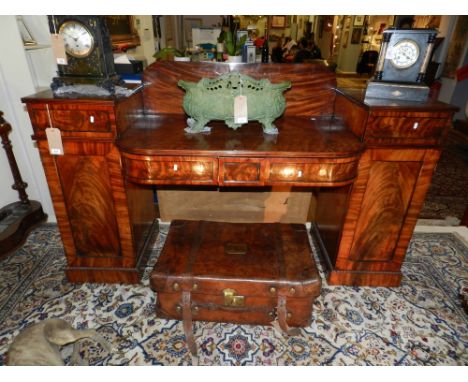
(88, 198)
(384, 207)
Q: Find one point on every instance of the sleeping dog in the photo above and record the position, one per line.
(39, 344)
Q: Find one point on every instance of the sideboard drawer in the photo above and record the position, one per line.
(241, 171)
(72, 120)
(171, 170)
(309, 173)
(407, 127)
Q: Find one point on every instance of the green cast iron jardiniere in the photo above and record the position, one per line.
(213, 99)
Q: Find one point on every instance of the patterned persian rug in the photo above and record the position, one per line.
(420, 323)
(447, 196)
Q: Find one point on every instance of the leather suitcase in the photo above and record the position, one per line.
(235, 272)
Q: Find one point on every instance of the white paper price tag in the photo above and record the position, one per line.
(58, 48)
(54, 139)
(240, 109)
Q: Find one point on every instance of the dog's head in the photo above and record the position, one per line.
(59, 332)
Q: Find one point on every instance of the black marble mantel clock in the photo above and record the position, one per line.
(88, 49)
(401, 67)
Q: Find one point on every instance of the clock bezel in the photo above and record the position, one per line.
(413, 62)
(93, 44)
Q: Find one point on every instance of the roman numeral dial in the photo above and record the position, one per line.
(79, 41)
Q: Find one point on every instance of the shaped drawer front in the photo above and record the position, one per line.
(405, 127)
(171, 170)
(77, 119)
(241, 171)
(311, 173)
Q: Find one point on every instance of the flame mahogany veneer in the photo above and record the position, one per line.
(370, 162)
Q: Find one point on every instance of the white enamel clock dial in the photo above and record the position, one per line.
(79, 41)
(404, 54)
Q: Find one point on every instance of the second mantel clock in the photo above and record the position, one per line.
(403, 60)
(88, 50)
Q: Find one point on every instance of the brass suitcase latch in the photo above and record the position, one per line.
(230, 298)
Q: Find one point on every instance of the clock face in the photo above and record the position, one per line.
(79, 41)
(405, 53)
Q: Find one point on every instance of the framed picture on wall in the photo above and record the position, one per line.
(278, 22)
(123, 31)
(356, 36)
(358, 21)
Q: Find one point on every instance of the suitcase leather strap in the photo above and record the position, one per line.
(282, 313)
(282, 316)
(186, 295)
(187, 321)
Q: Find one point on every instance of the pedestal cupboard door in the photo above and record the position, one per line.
(88, 199)
(390, 190)
(91, 206)
(383, 210)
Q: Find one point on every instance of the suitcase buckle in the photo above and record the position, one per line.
(230, 298)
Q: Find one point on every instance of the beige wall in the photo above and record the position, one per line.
(16, 81)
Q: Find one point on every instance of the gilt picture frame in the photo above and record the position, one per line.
(358, 21)
(278, 22)
(122, 31)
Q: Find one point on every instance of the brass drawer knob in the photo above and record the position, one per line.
(195, 287)
(292, 291)
(176, 286)
(195, 310)
(178, 308)
(272, 290)
(288, 315)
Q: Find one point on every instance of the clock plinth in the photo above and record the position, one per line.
(108, 83)
(397, 91)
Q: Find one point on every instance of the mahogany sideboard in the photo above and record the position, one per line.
(369, 163)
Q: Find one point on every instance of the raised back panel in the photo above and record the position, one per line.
(312, 92)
